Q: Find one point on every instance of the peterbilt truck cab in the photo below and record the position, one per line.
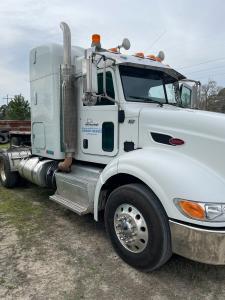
(109, 135)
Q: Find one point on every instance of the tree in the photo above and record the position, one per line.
(209, 91)
(3, 111)
(18, 109)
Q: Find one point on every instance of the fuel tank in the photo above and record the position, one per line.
(38, 171)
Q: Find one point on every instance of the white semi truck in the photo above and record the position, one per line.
(108, 136)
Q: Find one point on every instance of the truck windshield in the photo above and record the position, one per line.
(147, 85)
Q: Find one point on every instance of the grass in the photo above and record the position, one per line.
(4, 146)
(21, 213)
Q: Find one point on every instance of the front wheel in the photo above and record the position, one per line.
(138, 227)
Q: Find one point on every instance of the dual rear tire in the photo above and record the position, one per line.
(8, 178)
(138, 227)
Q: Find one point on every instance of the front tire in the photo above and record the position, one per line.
(138, 227)
(7, 178)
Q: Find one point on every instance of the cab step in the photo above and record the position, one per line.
(80, 210)
(75, 190)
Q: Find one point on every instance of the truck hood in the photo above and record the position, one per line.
(203, 133)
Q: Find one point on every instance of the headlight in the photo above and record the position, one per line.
(213, 212)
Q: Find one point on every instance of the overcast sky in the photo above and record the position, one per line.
(191, 33)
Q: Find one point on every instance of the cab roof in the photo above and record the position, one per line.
(135, 61)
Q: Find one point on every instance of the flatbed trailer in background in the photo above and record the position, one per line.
(4, 136)
(17, 132)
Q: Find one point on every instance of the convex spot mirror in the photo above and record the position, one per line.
(125, 44)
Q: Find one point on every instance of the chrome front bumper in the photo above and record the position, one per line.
(202, 245)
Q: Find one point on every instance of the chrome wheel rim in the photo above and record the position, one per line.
(131, 228)
(2, 171)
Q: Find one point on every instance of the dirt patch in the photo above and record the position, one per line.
(48, 252)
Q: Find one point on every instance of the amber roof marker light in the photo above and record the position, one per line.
(114, 50)
(160, 57)
(139, 54)
(151, 56)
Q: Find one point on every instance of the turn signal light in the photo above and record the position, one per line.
(192, 209)
(140, 54)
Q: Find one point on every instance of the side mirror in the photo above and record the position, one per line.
(185, 96)
(90, 76)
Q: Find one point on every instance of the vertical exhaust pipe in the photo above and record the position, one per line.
(68, 102)
(66, 44)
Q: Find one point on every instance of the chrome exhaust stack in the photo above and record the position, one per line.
(68, 102)
(66, 44)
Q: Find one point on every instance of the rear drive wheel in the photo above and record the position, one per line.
(7, 178)
(4, 139)
(138, 227)
(15, 141)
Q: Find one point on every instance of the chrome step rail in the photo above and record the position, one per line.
(80, 210)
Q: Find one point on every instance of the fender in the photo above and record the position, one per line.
(110, 170)
(170, 174)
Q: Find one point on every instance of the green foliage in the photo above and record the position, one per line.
(18, 109)
(3, 111)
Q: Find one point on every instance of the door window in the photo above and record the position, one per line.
(108, 136)
(109, 89)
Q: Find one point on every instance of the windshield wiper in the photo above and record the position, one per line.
(148, 100)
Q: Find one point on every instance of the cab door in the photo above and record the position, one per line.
(99, 123)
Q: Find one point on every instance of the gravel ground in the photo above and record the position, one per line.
(48, 252)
